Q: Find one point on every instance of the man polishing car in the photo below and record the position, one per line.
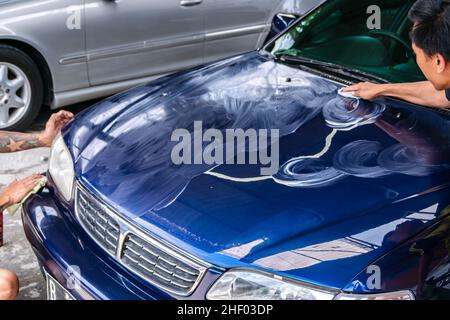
(18, 190)
(431, 44)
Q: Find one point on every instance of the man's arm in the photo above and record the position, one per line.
(422, 93)
(5, 202)
(14, 141)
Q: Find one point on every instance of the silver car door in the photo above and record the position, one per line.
(131, 39)
(54, 29)
(236, 26)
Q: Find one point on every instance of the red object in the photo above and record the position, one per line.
(1, 229)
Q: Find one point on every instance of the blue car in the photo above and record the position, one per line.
(358, 208)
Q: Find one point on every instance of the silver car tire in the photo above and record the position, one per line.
(21, 90)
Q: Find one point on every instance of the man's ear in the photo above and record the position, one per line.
(441, 63)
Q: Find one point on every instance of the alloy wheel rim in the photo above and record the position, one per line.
(15, 94)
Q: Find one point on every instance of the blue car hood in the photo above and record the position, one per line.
(355, 180)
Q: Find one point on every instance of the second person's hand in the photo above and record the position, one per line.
(16, 191)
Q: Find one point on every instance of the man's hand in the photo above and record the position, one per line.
(56, 122)
(365, 90)
(17, 190)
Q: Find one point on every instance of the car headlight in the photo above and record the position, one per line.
(399, 295)
(253, 285)
(61, 168)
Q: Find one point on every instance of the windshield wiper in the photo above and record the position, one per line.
(330, 67)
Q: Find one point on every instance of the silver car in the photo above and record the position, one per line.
(61, 52)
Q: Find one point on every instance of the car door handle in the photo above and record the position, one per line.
(190, 3)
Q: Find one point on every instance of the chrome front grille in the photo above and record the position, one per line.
(158, 266)
(149, 258)
(95, 220)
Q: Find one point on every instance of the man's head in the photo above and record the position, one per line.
(431, 40)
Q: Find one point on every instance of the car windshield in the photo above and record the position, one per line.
(370, 36)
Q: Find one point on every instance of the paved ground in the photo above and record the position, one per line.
(16, 254)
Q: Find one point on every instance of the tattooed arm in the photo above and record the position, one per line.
(14, 141)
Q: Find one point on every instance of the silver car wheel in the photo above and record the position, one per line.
(15, 94)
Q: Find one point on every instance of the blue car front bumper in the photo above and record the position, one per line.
(61, 246)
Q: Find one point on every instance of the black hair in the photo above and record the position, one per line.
(431, 31)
